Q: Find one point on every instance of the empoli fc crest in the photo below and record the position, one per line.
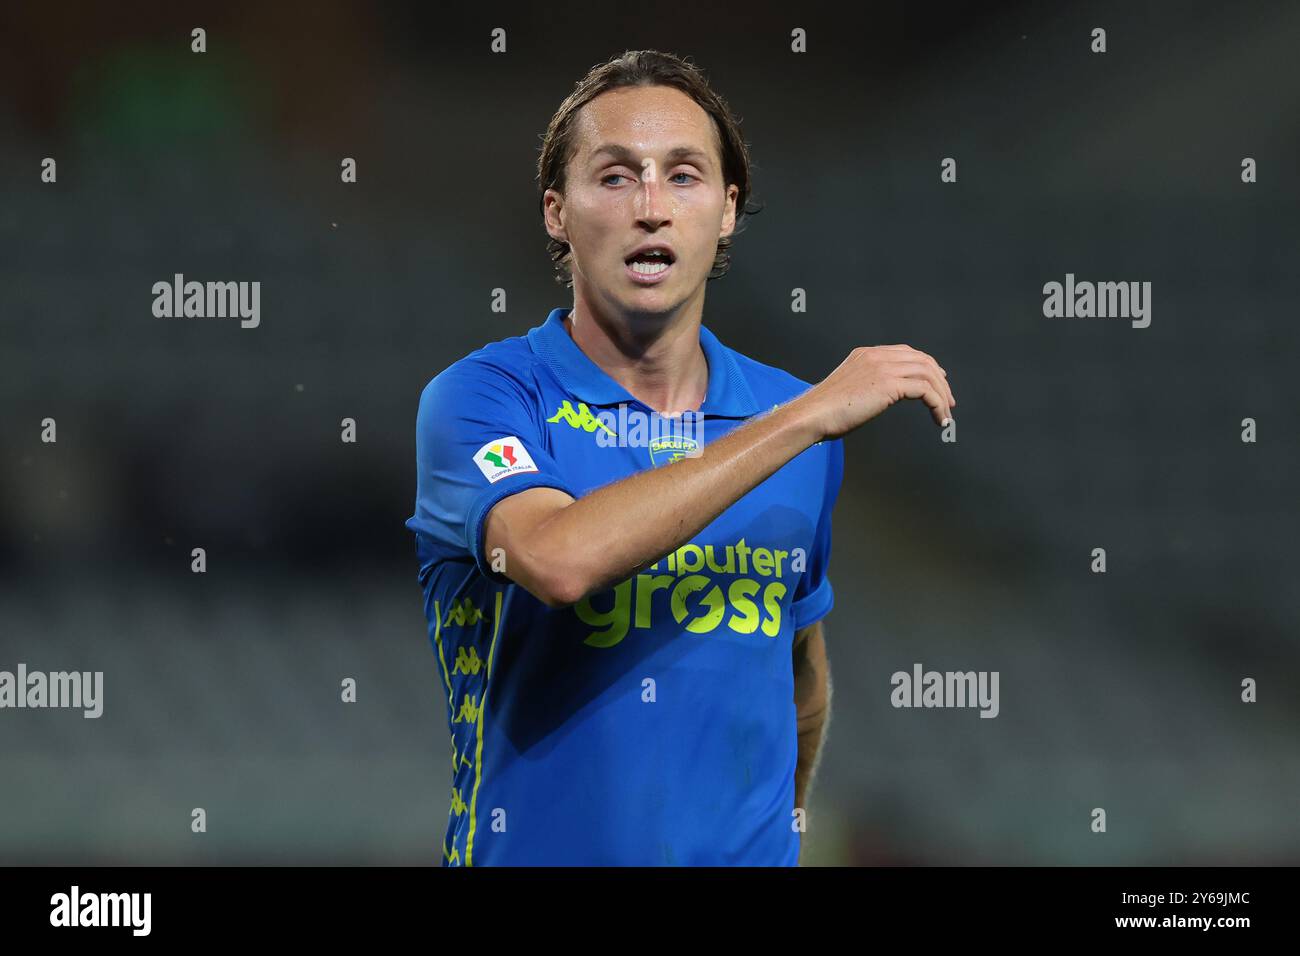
(668, 448)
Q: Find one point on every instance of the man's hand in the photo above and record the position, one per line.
(869, 381)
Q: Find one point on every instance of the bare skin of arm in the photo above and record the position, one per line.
(562, 549)
(812, 702)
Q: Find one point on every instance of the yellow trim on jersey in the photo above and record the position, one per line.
(437, 639)
(478, 755)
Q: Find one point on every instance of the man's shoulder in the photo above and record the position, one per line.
(775, 386)
(770, 385)
(504, 364)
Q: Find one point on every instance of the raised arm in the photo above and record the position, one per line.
(562, 550)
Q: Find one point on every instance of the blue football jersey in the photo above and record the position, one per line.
(653, 723)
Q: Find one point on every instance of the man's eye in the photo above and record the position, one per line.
(606, 179)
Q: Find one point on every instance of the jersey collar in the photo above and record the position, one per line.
(729, 394)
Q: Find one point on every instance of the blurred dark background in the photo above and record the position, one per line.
(1118, 690)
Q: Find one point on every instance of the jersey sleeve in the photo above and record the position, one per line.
(813, 596)
(477, 441)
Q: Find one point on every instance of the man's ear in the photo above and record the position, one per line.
(729, 211)
(553, 214)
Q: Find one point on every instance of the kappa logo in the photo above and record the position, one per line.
(467, 662)
(469, 708)
(581, 418)
(458, 805)
(502, 458)
(462, 613)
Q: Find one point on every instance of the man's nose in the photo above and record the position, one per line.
(653, 209)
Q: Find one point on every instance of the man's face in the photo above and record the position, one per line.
(646, 171)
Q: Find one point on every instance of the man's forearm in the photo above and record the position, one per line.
(624, 527)
(812, 698)
(810, 741)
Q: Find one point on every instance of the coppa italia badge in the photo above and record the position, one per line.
(502, 458)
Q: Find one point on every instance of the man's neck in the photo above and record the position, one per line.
(660, 362)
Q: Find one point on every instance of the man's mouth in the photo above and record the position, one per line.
(650, 266)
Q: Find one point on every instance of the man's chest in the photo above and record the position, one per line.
(596, 447)
(735, 579)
